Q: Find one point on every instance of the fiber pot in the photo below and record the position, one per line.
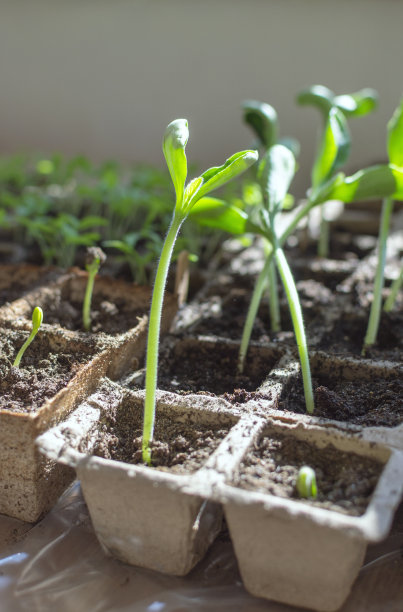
(293, 551)
(150, 517)
(29, 484)
(118, 314)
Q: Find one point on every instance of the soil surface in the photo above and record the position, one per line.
(367, 403)
(179, 446)
(345, 481)
(349, 332)
(230, 311)
(42, 373)
(209, 367)
(112, 318)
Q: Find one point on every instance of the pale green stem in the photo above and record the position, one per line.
(394, 290)
(275, 322)
(24, 347)
(260, 285)
(375, 313)
(323, 243)
(88, 298)
(154, 326)
(298, 324)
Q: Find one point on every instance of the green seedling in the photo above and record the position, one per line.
(395, 152)
(334, 110)
(306, 483)
(174, 144)
(95, 257)
(263, 120)
(37, 318)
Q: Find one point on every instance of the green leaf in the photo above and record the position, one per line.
(219, 175)
(395, 137)
(191, 191)
(359, 103)
(174, 144)
(276, 171)
(212, 212)
(262, 118)
(372, 183)
(317, 95)
(334, 148)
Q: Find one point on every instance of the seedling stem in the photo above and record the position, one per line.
(37, 318)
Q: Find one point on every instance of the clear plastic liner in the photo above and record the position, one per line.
(58, 565)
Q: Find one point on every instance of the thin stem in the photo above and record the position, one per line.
(88, 298)
(298, 324)
(154, 326)
(261, 282)
(275, 322)
(375, 313)
(394, 290)
(24, 347)
(260, 285)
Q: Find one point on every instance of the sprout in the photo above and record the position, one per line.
(187, 195)
(37, 318)
(94, 259)
(306, 483)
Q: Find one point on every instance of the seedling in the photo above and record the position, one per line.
(95, 257)
(306, 483)
(37, 318)
(395, 151)
(334, 109)
(263, 120)
(174, 144)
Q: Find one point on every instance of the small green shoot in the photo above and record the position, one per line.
(174, 144)
(37, 318)
(306, 483)
(95, 257)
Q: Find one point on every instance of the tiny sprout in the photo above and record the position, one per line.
(306, 483)
(95, 257)
(37, 318)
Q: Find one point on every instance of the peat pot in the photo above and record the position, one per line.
(56, 373)
(158, 517)
(301, 552)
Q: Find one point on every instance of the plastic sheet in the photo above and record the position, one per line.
(59, 565)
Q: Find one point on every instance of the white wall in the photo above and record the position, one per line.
(104, 77)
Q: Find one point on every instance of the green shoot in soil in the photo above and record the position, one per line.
(174, 144)
(306, 483)
(95, 257)
(37, 318)
(395, 151)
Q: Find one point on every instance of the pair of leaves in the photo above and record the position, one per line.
(174, 144)
(351, 105)
(276, 171)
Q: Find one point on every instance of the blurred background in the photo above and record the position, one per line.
(103, 78)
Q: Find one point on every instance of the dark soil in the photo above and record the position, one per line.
(345, 480)
(367, 403)
(112, 318)
(45, 368)
(178, 446)
(209, 367)
(15, 281)
(228, 318)
(349, 332)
